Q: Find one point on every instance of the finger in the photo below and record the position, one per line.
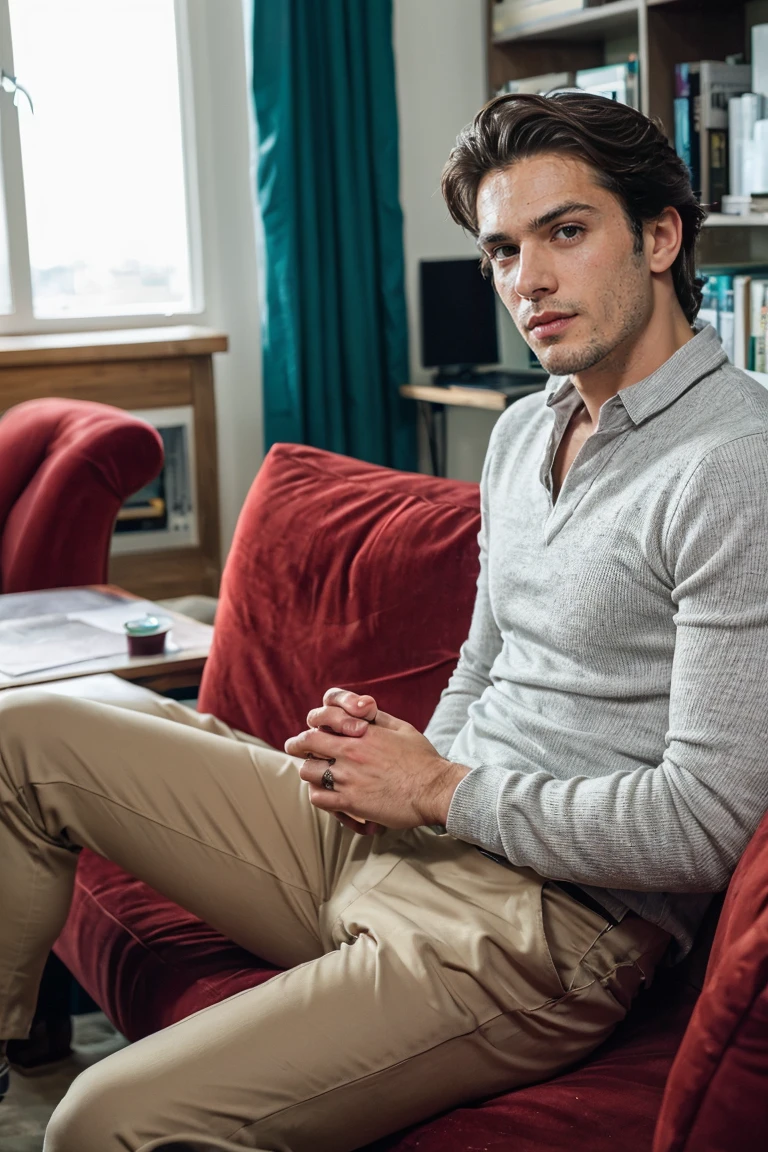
(336, 720)
(357, 826)
(384, 720)
(313, 742)
(313, 771)
(324, 800)
(352, 702)
(372, 828)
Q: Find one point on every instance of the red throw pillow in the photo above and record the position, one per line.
(717, 1093)
(341, 573)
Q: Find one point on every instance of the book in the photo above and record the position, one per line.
(718, 309)
(759, 59)
(726, 326)
(708, 310)
(717, 166)
(743, 114)
(758, 321)
(682, 105)
(703, 90)
(735, 148)
(741, 320)
(511, 15)
(540, 85)
(618, 82)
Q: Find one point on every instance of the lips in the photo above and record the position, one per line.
(549, 324)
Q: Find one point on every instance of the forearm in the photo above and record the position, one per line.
(654, 829)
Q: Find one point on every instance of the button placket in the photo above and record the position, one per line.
(581, 476)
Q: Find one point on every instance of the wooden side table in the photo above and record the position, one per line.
(182, 668)
(434, 400)
(136, 369)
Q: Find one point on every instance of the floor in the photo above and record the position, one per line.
(28, 1106)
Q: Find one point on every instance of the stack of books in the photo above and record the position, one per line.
(510, 16)
(717, 308)
(737, 307)
(619, 82)
(539, 85)
(614, 81)
(701, 107)
(721, 127)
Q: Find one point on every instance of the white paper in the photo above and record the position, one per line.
(50, 642)
(39, 643)
(112, 619)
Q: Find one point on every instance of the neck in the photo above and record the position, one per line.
(637, 357)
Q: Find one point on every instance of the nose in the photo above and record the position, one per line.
(535, 276)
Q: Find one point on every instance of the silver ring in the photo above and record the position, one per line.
(327, 780)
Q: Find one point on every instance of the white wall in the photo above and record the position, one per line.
(441, 83)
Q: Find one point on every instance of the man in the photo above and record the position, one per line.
(601, 741)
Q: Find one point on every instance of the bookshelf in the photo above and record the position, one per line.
(660, 33)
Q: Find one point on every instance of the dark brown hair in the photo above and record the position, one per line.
(628, 152)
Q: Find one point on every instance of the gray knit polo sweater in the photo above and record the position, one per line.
(611, 699)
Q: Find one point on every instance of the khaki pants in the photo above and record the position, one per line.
(421, 975)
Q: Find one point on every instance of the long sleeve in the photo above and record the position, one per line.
(472, 674)
(679, 824)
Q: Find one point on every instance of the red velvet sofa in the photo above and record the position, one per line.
(344, 573)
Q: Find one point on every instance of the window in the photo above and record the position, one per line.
(99, 198)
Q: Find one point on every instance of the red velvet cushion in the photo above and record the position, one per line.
(717, 1095)
(66, 467)
(341, 573)
(144, 960)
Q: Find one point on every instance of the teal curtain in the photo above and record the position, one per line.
(335, 338)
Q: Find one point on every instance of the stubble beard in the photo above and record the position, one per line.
(633, 305)
(570, 361)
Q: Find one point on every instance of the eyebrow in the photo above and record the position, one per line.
(538, 222)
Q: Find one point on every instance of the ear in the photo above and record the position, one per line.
(664, 237)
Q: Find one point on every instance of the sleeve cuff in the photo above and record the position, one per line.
(472, 814)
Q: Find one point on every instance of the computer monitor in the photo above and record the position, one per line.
(458, 316)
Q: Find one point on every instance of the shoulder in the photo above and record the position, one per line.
(724, 419)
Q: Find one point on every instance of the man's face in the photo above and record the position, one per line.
(563, 262)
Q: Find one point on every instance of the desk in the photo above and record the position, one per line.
(179, 669)
(433, 401)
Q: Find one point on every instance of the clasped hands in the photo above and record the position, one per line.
(385, 772)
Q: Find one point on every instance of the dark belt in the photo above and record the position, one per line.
(584, 898)
(572, 890)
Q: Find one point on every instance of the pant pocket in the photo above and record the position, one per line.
(570, 931)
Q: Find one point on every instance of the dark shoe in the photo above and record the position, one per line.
(5, 1077)
(48, 1043)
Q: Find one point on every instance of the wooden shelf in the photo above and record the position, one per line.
(660, 33)
(616, 19)
(720, 220)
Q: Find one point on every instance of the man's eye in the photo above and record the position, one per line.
(504, 252)
(569, 231)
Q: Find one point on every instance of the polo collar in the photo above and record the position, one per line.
(686, 367)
